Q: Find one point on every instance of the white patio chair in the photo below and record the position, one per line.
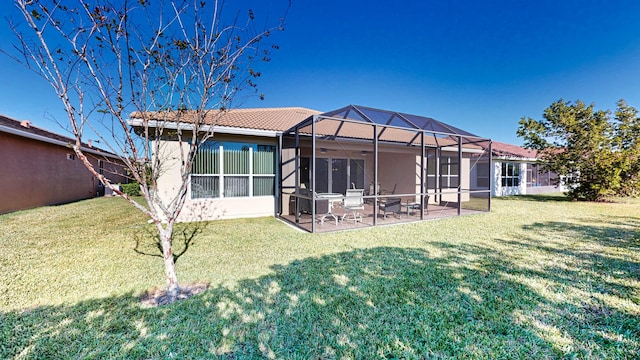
(352, 203)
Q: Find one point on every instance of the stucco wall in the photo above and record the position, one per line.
(498, 189)
(399, 170)
(35, 173)
(209, 209)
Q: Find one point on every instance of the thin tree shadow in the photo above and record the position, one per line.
(148, 242)
(383, 302)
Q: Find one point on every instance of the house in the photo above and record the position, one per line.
(39, 168)
(270, 161)
(517, 171)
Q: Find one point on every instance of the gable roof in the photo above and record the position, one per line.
(26, 129)
(503, 150)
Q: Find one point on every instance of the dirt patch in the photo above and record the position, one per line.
(158, 296)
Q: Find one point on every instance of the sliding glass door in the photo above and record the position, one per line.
(336, 175)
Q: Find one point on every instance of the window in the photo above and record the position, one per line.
(431, 169)
(231, 169)
(510, 174)
(356, 173)
(337, 174)
(538, 176)
(449, 172)
(483, 175)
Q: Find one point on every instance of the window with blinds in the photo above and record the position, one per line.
(232, 169)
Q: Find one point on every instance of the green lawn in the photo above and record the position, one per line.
(538, 277)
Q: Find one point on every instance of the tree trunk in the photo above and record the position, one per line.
(169, 265)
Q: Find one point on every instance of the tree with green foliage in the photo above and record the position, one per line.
(106, 59)
(597, 154)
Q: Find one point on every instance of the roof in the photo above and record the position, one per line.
(394, 118)
(27, 127)
(499, 149)
(398, 127)
(359, 122)
(272, 119)
(27, 130)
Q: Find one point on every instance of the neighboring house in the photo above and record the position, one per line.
(39, 168)
(517, 171)
(259, 160)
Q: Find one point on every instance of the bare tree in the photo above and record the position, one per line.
(173, 63)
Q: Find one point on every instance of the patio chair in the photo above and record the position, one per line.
(391, 205)
(323, 206)
(352, 203)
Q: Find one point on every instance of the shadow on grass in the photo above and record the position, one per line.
(383, 302)
(552, 197)
(592, 271)
(148, 242)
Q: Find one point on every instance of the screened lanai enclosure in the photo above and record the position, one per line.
(359, 166)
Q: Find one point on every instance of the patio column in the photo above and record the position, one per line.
(423, 174)
(459, 175)
(490, 172)
(313, 173)
(375, 174)
(297, 174)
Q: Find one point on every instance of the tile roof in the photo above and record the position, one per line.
(285, 118)
(26, 129)
(507, 150)
(274, 119)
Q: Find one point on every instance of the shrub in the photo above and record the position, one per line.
(131, 189)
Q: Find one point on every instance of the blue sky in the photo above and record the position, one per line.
(479, 66)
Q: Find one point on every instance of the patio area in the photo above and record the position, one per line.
(382, 155)
(407, 214)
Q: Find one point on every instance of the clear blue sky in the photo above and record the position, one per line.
(477, 65)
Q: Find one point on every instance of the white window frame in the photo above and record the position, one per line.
(505, 177)
(221, 176)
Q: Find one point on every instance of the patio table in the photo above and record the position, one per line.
(415, 205)
(410, 205)
(332, 198)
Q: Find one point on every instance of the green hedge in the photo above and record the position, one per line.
(131, 189)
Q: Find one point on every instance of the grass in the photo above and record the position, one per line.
(538, 277)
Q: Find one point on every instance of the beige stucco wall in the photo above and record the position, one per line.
(399, 168)
(35, 173)
(209, 209)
